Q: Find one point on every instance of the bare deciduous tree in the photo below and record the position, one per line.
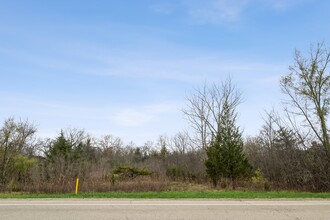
(308, 88)
(205, 107)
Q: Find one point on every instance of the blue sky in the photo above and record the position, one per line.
(125, 67)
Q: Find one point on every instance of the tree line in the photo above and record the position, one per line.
(291, 151)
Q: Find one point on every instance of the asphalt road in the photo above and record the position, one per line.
(99, 209)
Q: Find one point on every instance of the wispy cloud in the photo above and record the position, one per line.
(162, 8)
(284, 5)
(130, 117)
(216, 11)
(140, 122)
(195, 68)
(140, 116)
(229, 11)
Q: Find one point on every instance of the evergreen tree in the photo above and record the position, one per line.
(225, 154)
(60, 147)
(211, 163)
(63, 148)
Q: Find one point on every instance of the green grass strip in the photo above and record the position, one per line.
(177, 195)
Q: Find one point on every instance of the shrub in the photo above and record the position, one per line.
(131, 172)
(260, 181)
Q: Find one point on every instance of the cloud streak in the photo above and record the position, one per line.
(284, 5)
(215, 11)
(143, 115)
(162, 8)
(171, 65)
(229, 11)
(131, 122)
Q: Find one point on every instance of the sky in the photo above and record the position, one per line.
(126, 67)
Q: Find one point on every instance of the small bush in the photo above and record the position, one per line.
(259, 181)
(14, 186)
(131, 172)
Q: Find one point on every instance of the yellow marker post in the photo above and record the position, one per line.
(77, 185)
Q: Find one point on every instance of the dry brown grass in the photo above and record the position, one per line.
(139, 184)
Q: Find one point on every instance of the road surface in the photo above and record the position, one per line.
(101, 209)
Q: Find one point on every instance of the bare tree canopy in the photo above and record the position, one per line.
(308, 88)
(205, 108)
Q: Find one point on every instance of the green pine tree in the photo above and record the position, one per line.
(211, 163)
(63, 148)
(225, 154)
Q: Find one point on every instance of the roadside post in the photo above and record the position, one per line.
(77, 185)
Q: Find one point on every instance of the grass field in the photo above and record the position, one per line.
(178, 195)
